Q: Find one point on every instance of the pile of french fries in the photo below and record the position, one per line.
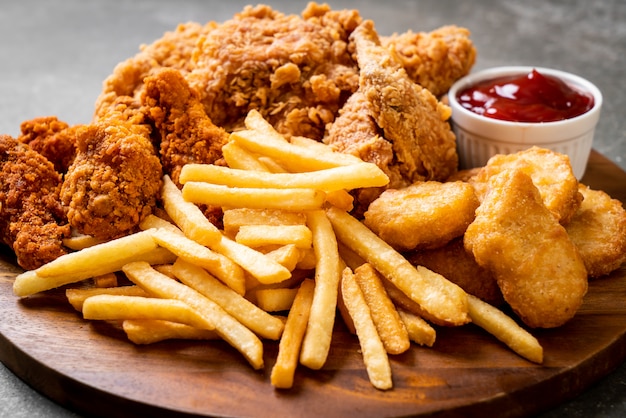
(289, 245)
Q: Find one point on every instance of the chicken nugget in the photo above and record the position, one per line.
(599, 232)
(537, 267)
(458, 265)
(550, 171)
(423, 215)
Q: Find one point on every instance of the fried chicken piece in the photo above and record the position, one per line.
(173, 50)
(411, 118)
(424, 215)
(550, 171)
(187, 134)
(52, 138)
(458, 265)
(436, 59)
(32, 220)
(537, 267)
(296, 71)
(599, 232)
(115, 179)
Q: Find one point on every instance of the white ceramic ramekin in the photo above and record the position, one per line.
(480, 137)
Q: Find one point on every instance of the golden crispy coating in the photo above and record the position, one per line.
(173, 50)
(115, 179)
(436, 59)
(52, 138)
(32, 220)
(537, 267)
(458, 265)
(296, 71)
(599, 232)
(423, 215)
(411, 118)
(187, 134)
(551, 173)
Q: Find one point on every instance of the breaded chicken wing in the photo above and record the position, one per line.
(537, 267)
(32, 220)
(598, 229)
(436, 59)
(409, 115)
(115, 179)
(186, 133)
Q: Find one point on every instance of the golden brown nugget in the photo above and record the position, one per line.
(538, 268)
(599, 232)
(424, 215)
(550, 171)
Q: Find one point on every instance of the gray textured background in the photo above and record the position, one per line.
(54, 56)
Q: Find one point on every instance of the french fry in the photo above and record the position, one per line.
(148, 331)
(287, 256)
(374, 354)
(187, 216)
(332, 179)
(420, 331)
(76, 297)
(80, 265)
(256, 319)
(390, 327)
(239, 158)
(294, 158)
(112, 307)
(444, 300)
(228, 328)
(233, 219)
(261, 235)
(505, 329)
(256, 198)
(307, 259)
(260, 266)
(256, 122)
(275, 300)
(222, 267)
(291, 340)
(318, 335)
(341, 199)
(105, 280)
(154, 222)
(80, 242)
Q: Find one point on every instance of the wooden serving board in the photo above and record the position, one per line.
(90, 367)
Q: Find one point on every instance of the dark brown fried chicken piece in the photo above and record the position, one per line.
(187, 134)
(52, 138)
(32, 220)
(115, 179)
(436, 59)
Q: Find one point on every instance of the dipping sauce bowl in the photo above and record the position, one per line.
(504, 110)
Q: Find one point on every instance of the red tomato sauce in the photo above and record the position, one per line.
(533, 97)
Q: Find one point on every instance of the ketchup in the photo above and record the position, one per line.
(533, 97)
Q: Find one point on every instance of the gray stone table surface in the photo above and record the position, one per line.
(54, 56)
